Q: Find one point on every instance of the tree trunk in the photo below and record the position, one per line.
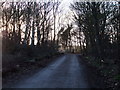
(95, 15)
(33, 32)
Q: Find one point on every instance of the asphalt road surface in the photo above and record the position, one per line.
(65, 72)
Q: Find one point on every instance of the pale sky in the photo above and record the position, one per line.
(65, 4)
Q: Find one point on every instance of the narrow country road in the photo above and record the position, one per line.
(65, 72)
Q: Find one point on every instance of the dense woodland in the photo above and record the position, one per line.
(33, 29)
(99, 23)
